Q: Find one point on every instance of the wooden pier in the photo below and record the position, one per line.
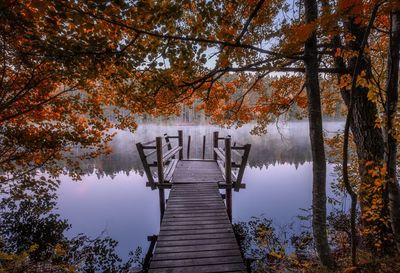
(196, 233)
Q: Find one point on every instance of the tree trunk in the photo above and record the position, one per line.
(369, 146)
(317, 140)
(391, 108)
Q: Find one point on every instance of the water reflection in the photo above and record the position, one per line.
(122, 207)
(286, 144)
(112, 196)
(33, 239)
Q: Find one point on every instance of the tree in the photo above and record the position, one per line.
(152, 56)
(53, 88)
(316, 137)
(186, 75)
(156, 55)
(392, 89)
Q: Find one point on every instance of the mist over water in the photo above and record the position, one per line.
(112, 196)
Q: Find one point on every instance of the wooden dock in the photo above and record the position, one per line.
(196, 233)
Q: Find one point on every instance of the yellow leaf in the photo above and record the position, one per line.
(350, 269)
(276, 255)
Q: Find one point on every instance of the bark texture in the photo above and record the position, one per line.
(317, 140)
(369, 140)
(370, 147)
(392, 98)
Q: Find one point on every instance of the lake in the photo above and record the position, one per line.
(112, 196)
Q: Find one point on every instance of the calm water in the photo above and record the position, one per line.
(112, 196)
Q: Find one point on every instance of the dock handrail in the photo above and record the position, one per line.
(156, 147)
(166, 163)
(232, 171)
(226, 163)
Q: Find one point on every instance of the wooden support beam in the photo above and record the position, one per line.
(204, 146)
(235, 165)
(228, 176)
(146, 167)
(160, 171)
(188, 147)
(160, 165)
(215, 143)
(238, 148)
(167, 141)
(148, 142)
(161, 195)
(222, 185)
(160, 186)
(180, 143)
(149, 254)
(151, 153)
(148, 147)
(242, 167)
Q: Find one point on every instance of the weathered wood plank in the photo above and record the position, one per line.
(196, 261)
(194, 210)
(228, 235)
(202, 269)
(194, 207)
(190, 215)
(208, 242)
(190, 227)
(220, 153)
(197, 171)
(171, 153)
(201, 222)
(214, 199)
(197, 254)
(195, 233)
(188, 248)
(170, 171)
(184, 214)
(170, 218)
(192, 204)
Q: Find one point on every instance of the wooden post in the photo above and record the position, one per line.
(228, 176)
(180, 143)
(149, 254)
(242, 167)
(160, 165)
(161, 195)
(204, 146)
(215, 144)
(169, 146)
(168, 142)
(160, 171)
(188, 147)
(146, 167)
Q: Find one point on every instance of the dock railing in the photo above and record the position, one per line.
(160, 158)
(231, 170)
(165, 162)
(223, 156)
(166, 156)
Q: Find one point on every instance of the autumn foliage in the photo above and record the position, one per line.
(72, 70)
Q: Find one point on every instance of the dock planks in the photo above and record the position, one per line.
(196, 171)
(196, 234)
